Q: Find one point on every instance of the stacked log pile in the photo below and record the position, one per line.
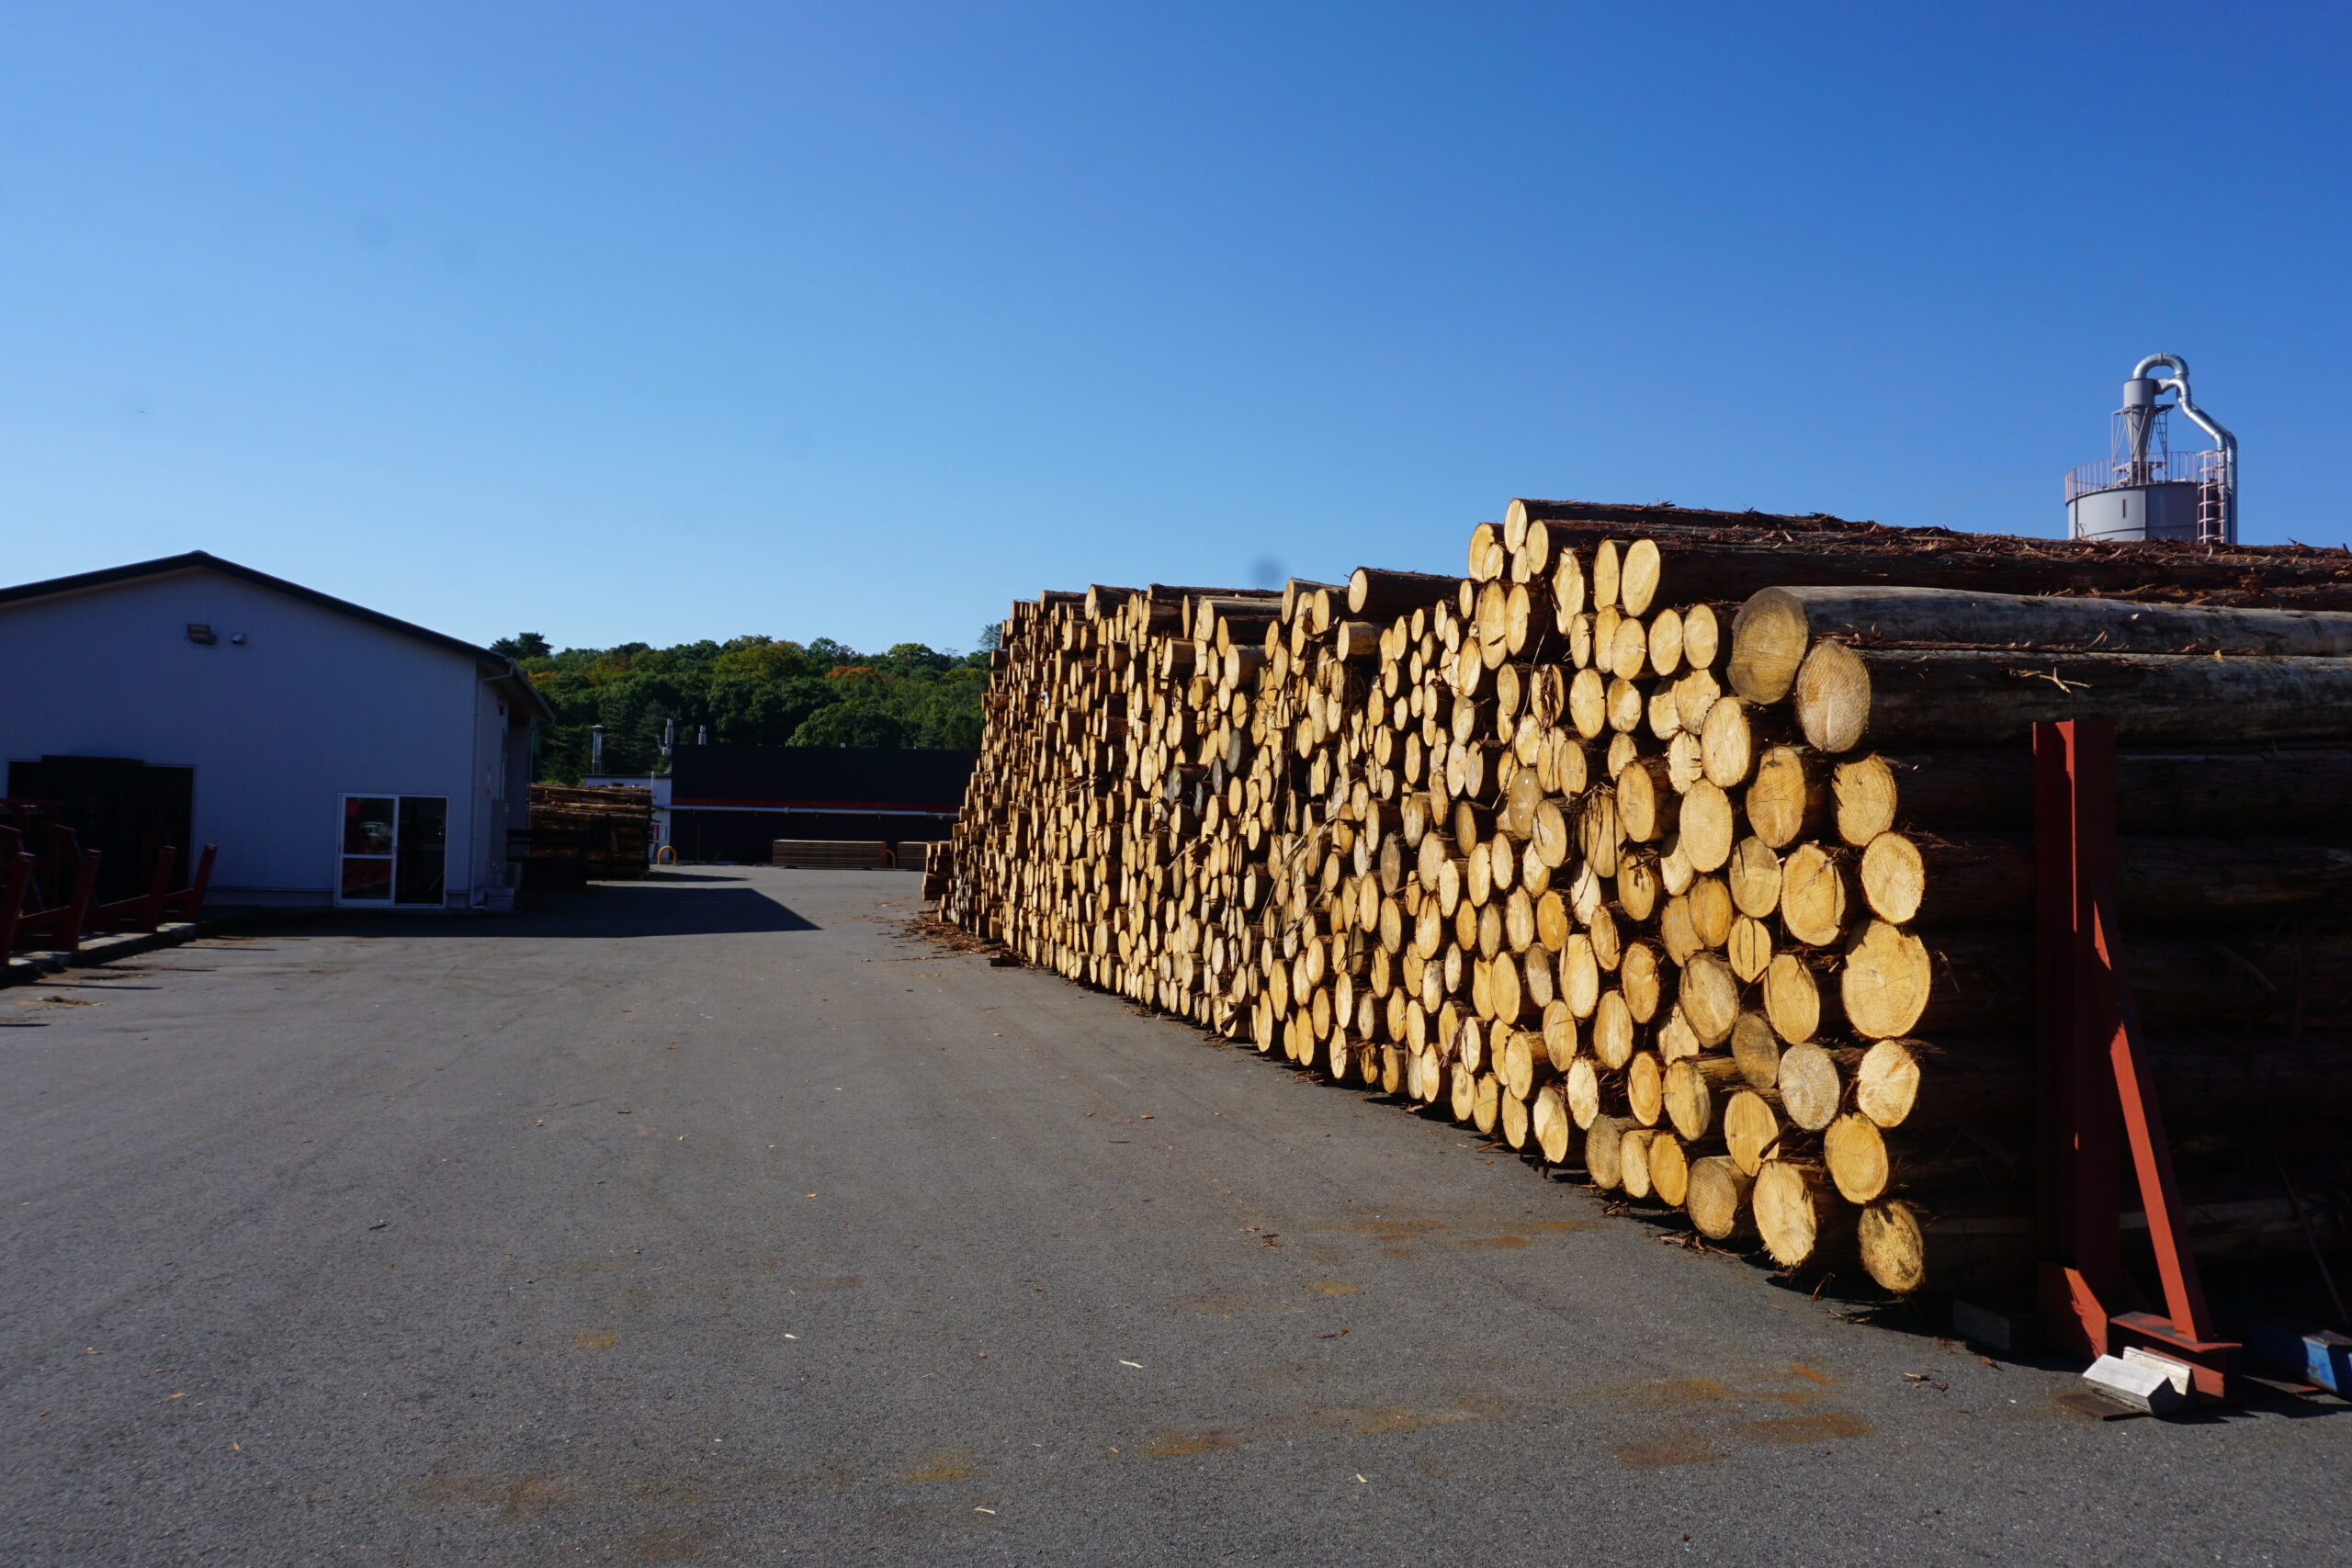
(1695, 852)
(609, 826)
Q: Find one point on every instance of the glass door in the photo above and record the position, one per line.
(422, 856)
(395, 850)
(369, 826)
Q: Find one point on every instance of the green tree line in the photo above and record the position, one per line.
(753, 691)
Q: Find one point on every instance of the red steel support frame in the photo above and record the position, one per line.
(145, 911)
(188, 904)
(66, 923)
(2096, 1093)
(13, 891)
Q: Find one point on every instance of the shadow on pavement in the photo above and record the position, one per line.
(608, 910)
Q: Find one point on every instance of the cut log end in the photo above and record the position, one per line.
(1855, 1151)
(1809, 1087)
(1866, 797)
(1886, 1084)
(1750, 1129)
(1885, 982)
(1770, 635)
(1894, 1246)
(1895, 878)
(1833, 698)
(1756, 1050)
(1716, 1196)
(1812, 896)
(1795, 1214)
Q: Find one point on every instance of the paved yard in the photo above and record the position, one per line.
(707, 1220)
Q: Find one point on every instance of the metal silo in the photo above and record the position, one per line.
(2144, 489)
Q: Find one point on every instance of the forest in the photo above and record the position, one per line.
(754, 691)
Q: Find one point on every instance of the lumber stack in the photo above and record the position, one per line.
(609, 827)
(1695, 852)
(829, 854)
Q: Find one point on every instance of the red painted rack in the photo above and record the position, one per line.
(2097, 1097)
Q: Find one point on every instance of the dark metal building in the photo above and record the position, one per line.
(730, 803)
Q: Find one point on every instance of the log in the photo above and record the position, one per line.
(1717, 1197)
(1645, 1088)
(1709, 998)
(1812, 896)
(1514, 1121)
(1669, 1169)
(1776, 626)
(1754, 878)
(1886, 1082)
(2283, 789)
(2201, 1081)
(1905, 1249)
(1555, 1130)
(1985, 878)
(1787, 797)
(1707, 825)
(1942, 696)
(1634, 1163)
(1793, 1002)
(1984, 980)
(1604, 1150)
(1811, 1084)
(1800, 1218)
(1755, 1052)
(1909, 1246)
(1722, 558)
(1864, 791)
(1885, 984)
(1854, 1149)
(1377, 595)
(1751, 1130)
(1691, 1088)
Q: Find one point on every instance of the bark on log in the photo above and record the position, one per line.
(1727, 557)
(1775, 627)
(1988, 1081)
(1989, 878)
(1937, 696)
(1983, 981)
(2284, 789)
(1909, 1246)
(1377, 595)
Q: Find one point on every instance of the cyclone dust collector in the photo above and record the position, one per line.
(2144, 489)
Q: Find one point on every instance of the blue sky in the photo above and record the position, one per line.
(662, 322)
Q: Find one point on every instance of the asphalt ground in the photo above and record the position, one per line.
(712, 1219)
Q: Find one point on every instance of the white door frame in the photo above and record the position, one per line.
(392, 859)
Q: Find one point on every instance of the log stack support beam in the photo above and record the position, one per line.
(2097, 1094)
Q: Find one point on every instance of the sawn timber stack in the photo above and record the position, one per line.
(611, 826)
(1693, 849)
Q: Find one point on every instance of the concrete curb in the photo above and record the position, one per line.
(28, 967)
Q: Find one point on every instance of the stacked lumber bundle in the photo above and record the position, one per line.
(1695, 852)
(609, 826)
(829, 854)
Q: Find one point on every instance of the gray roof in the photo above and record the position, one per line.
(504, 670)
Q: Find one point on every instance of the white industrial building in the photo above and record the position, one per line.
(333, 753)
